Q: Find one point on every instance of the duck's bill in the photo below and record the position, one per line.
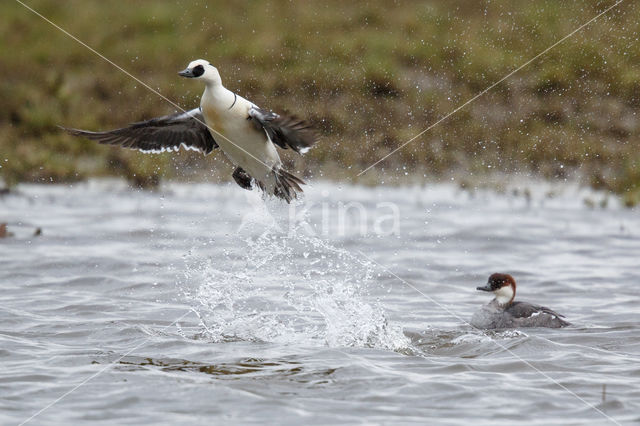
(485, 288)
(186, 73)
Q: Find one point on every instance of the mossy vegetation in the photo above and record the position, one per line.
(370, 76)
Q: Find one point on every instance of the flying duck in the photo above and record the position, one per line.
(247, 134)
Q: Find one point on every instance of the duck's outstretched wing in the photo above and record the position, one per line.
(168, 133)
(284, 131)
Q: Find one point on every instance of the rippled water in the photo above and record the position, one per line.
(202, 304)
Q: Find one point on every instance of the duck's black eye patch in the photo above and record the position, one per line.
(198, 71)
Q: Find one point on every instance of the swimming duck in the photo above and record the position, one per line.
(503, 312)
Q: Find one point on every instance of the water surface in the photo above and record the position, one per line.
(202, 303)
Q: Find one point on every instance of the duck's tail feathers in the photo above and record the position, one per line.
(287, 186)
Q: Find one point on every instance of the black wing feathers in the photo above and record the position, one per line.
(160, 134)
(284, 131)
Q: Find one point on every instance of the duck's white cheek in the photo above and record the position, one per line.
(504, 295)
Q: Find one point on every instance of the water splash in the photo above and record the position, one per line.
(288, 288)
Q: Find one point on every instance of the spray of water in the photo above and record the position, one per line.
(288, 288)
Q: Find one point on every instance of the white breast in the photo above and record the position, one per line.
(241, 142)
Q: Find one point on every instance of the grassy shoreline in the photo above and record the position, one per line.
(369, 76)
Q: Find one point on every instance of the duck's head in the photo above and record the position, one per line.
(202, 70)
(503, 286)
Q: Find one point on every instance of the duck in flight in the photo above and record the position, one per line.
(247, 134)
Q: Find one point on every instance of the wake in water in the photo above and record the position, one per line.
(287, 287)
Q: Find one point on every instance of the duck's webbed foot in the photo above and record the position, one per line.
(242, 178)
